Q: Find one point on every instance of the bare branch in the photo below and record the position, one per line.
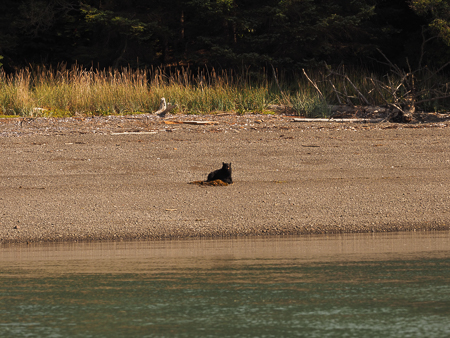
(314, 85)
(378, 90)
(336, 92)
(394, 67)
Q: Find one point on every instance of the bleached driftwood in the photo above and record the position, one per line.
(135, 133)
(355, 120)
(192, 122)
(164, 107)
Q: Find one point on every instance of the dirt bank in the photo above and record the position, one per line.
(127, 177)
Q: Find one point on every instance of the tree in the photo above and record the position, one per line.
(44, 29)
(438, 13)
(286, 33)
(228, 33)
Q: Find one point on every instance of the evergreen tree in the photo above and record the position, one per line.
(227, 33)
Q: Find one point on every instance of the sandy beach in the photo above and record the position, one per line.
(113, 178)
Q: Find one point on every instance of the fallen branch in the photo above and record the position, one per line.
(314, 85)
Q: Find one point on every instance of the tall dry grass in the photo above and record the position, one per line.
(66, 92)
(41, 91)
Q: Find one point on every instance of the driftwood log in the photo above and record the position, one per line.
(348, 120)
(164, 107)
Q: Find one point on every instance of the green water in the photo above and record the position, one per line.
(354, 286)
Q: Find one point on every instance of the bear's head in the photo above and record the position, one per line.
(226, 166)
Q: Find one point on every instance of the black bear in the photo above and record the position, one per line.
(223, 174)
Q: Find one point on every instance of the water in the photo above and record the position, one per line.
(391, 285)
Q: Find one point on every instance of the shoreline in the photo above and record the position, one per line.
(127, 178)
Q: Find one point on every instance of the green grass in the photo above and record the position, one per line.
(42, 91)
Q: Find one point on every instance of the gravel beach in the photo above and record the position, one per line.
(126, 177)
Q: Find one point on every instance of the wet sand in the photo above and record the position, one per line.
(124, 178)
(161, 257)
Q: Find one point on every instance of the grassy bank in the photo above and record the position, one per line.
(41, 91)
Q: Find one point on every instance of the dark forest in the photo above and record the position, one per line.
(288, 34)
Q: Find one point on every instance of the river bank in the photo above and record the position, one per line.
(102, 178)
